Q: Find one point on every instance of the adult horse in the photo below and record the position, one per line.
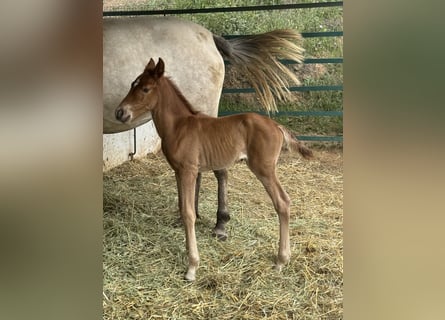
(129, 41)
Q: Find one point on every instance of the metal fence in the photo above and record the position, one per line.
(330, 60)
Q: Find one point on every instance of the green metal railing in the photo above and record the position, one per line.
(315, 113)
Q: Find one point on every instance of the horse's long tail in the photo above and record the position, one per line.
(293, 144)
(257, 57)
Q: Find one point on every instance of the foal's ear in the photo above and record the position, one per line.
(160, 68)
(150, 65)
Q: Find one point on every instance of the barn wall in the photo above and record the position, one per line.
(118, 146)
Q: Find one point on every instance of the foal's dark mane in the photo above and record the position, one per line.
(187, 104)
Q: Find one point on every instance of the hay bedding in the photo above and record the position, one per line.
(144, 257)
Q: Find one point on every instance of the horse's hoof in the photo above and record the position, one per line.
(282, 260)
(220, 235)
(278, 267)
(190, 276)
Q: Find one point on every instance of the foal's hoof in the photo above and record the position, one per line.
(281, 262)
(190, 276)
(278, 267)
(221, 235)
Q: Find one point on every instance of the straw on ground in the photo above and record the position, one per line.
(144, 247)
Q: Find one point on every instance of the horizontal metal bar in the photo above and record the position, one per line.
(316, 88)
(313, 60)
(321, 138)
(320, 60)
(308, 113)
(303, 34)
(298, 113)
(289, 113)
(322, 34)
(222, 9)
(306, 61)
(294, 89)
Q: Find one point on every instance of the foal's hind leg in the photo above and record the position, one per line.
(281, 202)
(222, 215)
(197, 187)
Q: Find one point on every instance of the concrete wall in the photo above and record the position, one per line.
(118, 146)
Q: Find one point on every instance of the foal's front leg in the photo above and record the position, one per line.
(186, 181)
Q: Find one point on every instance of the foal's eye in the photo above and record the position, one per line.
(134, 83)
(145, 89)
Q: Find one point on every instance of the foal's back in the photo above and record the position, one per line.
(219, 142)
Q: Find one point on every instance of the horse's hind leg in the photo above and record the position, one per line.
(222, 215)
(197, 187)
(281, 202)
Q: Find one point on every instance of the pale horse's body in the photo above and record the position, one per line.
(128, 43)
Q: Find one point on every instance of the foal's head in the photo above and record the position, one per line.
(142, 97)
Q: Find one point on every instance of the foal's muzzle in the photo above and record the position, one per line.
(121, 115)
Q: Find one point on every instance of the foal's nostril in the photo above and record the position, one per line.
(119, 114)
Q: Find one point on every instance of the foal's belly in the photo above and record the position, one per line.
(221, 161)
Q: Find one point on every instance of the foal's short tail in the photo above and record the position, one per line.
(291, 143)
(256, 56)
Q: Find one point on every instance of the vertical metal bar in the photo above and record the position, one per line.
(131, 154)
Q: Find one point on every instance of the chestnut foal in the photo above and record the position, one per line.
(193, 142)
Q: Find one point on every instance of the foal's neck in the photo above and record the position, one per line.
(172, 106)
